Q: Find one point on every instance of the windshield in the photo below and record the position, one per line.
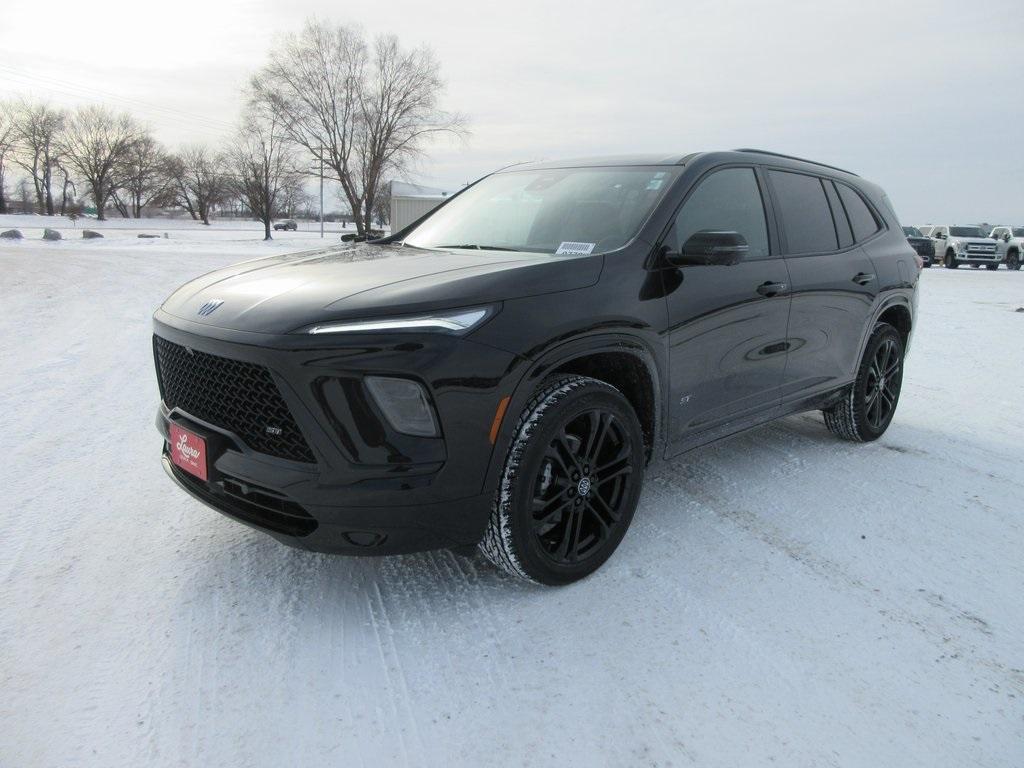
(556, 211)
(912, 232)
(966, 232)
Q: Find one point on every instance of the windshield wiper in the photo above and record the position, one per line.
(476, 247)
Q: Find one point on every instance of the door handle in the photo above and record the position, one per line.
(863, 278)
(770, 289)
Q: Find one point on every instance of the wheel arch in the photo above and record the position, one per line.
(898, 315)
(626, 362)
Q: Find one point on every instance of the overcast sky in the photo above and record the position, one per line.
(925, 98)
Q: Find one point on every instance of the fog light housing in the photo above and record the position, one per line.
(405, 404)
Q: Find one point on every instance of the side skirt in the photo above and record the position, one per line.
(815, 402)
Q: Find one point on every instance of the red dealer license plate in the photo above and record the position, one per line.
(188, 451)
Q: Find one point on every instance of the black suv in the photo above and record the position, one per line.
(502, 371)
(923, 246)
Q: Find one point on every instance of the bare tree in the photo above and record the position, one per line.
(294, 198)
(38, 126)
(398, 111)
(25, 195)
(94, 142)
(364, 114)
(382, 205)
(8, 144)
(67, 186)
(142, 177)
(198, 181)
(261, 162)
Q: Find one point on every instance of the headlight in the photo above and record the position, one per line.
(405, 404)
(457, 321)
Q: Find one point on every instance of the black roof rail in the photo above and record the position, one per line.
(791, 157)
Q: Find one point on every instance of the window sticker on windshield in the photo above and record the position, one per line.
(575, 249)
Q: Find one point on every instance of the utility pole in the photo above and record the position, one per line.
(321, 191)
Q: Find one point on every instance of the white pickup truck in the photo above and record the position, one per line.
(964, 245)
(1009, 245)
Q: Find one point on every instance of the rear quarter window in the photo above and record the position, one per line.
(862, 220)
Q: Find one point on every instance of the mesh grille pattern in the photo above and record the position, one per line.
(232, 394)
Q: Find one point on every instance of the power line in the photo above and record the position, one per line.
(83, 91)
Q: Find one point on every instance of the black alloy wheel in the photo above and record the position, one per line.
(882, 384)
(1013, 260)
(571, 483)
(579, 491)
(869, 404)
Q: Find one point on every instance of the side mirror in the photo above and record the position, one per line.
(940, 236)
(710, 248)
(1006, 238)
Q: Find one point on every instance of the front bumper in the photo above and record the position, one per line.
(978, 258)
(370, 490)
(341, 530)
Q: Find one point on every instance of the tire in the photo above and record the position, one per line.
(557, 518)
(1013, 260)
(950, 261)
(991, 266)
(868, 405)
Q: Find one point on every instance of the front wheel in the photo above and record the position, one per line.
(1013, 260)
(869, 404)
(570, 485)
(950, 260)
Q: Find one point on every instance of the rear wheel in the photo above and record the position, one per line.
(570, 485)
(868, 406)
(1013, 260)
(950, 260)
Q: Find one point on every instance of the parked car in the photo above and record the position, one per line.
(922, 244)
(964, 245)
(502, 373)
(1009, 245)
(289, 225)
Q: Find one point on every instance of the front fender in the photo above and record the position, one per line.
(534, 372)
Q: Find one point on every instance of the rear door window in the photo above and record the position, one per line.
(862, 219)
(805, 213)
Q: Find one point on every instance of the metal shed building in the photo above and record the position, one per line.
(410, 201)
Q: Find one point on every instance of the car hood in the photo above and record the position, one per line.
(280, 294)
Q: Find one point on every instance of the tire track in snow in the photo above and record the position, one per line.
(758, 526)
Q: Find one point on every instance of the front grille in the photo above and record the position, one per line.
(981, 250)
(237, 396)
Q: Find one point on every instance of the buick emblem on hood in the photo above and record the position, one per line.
(209, 307)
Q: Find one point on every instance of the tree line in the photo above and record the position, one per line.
(326, 95)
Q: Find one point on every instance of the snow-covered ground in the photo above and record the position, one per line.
(179, 228)
(783, 598)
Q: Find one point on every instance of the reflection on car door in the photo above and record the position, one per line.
(834, 282)
(727, 324)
